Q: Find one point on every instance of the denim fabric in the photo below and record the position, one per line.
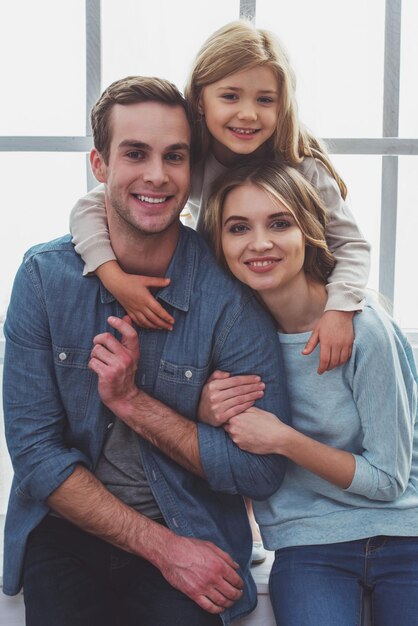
(55, 420)
(325, 585)
(84, 581)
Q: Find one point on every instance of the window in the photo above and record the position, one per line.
(357, 88)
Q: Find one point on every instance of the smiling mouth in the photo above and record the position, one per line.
(244, 131)
(261, 265)
(150, 199)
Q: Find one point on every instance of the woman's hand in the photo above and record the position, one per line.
(335, 335)
(224, 396)
(257, 431)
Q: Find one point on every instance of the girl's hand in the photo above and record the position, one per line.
(132, 291)
(335, 334)
(257, 431)
(224, 396)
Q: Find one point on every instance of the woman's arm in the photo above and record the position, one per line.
(384, 387)
(260, 432)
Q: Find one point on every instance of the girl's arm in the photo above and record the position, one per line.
(385, 395)
(347, 282)
(88, 225)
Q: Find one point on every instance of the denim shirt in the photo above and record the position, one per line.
(55, 420)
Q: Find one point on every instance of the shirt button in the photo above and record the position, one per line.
(188, 374)
(109, 426)
(62, 356)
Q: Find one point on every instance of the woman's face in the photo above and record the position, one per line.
(262, 244)
(241, 112)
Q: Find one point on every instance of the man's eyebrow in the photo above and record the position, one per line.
(241, 218)
(131, 143)
(178, 146)
(140, 145)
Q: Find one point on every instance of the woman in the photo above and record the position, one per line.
(345, 520)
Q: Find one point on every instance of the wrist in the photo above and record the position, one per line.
(285, 440)
(125, 407)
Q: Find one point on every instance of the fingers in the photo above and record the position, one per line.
(147, 318)
(312, 343)
(218, 375)
(232, 382)
(153, 310)
(333, 357)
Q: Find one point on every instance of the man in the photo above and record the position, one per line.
(105, 527)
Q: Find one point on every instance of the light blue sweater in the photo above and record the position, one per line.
(368, 407)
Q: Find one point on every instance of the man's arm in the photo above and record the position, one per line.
(201, 449)
(49, 471)
(197, 568)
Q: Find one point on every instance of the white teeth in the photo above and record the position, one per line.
(261, 263)
(151, 200)
(244, 131)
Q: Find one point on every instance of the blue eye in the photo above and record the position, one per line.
(265, 100)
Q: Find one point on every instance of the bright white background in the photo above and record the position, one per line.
(336, 49)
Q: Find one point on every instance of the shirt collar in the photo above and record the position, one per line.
(180, 271)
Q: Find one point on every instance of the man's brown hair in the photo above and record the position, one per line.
(129, 90)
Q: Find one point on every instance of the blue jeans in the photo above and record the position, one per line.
(72, 578)
(325, 585)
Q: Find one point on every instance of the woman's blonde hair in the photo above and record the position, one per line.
(283, 184)
(239, 46)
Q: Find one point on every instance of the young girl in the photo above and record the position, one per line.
(345, 520)
(241, 93)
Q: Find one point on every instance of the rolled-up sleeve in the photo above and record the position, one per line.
(35, 419)
(249, 345)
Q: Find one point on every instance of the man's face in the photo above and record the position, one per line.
(148, 174)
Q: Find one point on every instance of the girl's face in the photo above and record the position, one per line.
(262, 244)
(241, 112)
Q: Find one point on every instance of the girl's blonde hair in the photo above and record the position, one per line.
(239, 46)
(286, 185)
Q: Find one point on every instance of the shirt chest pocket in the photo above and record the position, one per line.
(180, 386)
(75, 379)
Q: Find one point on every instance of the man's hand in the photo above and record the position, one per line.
(115, 363)
(224, 396)
(334, 332)
(203, 572)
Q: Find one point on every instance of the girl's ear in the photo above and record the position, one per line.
(200, 108)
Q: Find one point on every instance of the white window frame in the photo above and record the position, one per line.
(390, 146)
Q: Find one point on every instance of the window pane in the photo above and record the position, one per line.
(42, 47)
(41, 190)
(406, 293)
(408, 122)
(337, 51)
(158, 38)
(362, 175)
